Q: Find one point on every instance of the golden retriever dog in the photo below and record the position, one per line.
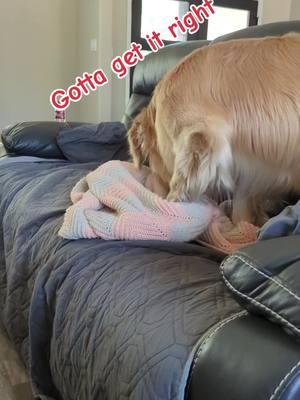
(226, 119)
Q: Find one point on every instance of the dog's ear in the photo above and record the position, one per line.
(202, 161)
(135, 139)
(141, 136)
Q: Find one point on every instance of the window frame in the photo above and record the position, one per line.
(136, 24)
(249, 5)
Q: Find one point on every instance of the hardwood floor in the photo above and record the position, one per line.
(14, 382)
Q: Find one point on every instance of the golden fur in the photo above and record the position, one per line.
(226, 119)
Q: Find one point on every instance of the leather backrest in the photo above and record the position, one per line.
(149, 72)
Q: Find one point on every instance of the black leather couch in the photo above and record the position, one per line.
(269, 290)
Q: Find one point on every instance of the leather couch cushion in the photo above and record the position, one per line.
(265, 279)
(245, 357)
(34, 139)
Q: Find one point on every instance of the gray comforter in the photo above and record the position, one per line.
(94, 319)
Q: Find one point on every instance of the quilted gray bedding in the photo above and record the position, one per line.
(94, 319)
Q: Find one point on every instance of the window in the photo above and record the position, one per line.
(227, 20)
(158, 15)
(149, 15)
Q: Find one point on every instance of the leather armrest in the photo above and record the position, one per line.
(3, 152)
(245, 358)
(265, 279)
(34, 138)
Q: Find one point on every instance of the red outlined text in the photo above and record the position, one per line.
(193, 19)
(190, 23)
(120, 66)
(61, 99)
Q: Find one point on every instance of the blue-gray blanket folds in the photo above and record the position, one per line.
(92, 319)
(287, 223)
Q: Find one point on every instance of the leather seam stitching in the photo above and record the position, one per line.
(215, 330)
(258, 304)
(284, 381)
(268, 277)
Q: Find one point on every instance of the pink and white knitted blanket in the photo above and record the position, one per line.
(113, 203)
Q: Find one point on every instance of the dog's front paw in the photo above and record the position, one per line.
(172, 197)
(178, 192)
(177, 196)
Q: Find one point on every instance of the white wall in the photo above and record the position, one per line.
(88, 29)
(274, 10)
(106, 21)
(105, 39)
(121, 42)
(295, 9)
(45, 44)
(38, 48)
